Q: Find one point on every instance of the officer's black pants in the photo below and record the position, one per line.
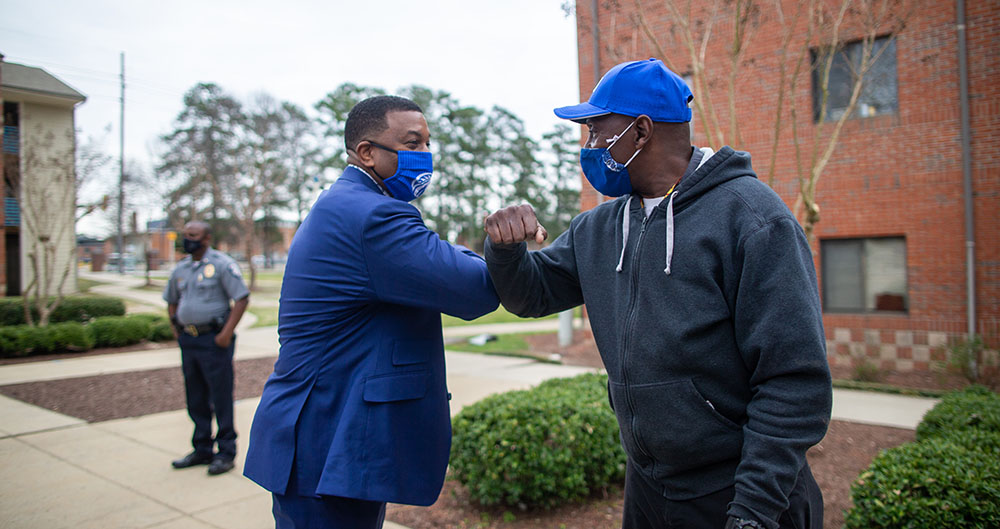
(208, 385)
(646, 508)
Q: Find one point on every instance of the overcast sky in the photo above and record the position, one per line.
(519, 54)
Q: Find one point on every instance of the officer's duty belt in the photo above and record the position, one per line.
(195, 330)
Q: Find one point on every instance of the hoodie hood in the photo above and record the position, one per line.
(713, 169)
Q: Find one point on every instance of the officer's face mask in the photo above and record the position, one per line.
(608, 177)
(191, 245)
(413, 173)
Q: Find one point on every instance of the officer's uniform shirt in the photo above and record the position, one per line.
(202, 289)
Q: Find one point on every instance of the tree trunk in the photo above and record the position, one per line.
(249, 232)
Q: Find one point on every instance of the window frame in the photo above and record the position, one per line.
(848, 50)
(863, 258)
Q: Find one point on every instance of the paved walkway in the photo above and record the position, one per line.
(60, 472)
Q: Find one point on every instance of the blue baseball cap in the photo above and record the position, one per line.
(636, 88)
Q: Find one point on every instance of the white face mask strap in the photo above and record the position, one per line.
(614, 140)
(611, 141)
(632, 158)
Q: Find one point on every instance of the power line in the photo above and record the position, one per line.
(98, 75)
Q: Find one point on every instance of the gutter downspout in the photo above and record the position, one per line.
(594, 31)
(970, 234)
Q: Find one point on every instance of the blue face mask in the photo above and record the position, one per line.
(413, 173)
(608, 177)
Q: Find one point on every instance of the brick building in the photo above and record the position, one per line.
(890, 246)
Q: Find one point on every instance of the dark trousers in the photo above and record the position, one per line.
(646, 508)
(208, 385)
(326, 512)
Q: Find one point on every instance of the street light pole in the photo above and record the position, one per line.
(121, 174)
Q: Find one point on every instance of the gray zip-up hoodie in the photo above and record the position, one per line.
(707, 318)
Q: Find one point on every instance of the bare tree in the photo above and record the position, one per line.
(811, 49)
(48, 192)
(262, 171)
(876, 19)
(198, 158)
(91, 159)
(301, 152)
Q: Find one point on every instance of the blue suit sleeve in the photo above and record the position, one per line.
(410, 265)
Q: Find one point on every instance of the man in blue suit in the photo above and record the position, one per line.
(356, 412)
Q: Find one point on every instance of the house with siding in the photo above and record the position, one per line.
(39, 181)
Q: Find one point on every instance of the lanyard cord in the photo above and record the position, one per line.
(671, 190)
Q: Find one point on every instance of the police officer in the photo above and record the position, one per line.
(198, 301)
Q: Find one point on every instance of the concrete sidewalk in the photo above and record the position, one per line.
(58, 471)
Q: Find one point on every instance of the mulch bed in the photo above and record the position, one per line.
(847, 449)
(115, 396)
(144, 346)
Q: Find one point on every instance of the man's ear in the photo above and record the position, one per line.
(643, 131)
(363, 150)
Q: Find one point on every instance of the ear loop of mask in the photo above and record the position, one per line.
(614, 139)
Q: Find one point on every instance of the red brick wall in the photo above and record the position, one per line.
(898, 174)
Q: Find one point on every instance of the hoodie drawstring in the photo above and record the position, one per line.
(670, 233)
(706, 154)
(625, 221)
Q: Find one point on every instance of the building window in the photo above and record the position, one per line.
(878, 92)
(864, 275)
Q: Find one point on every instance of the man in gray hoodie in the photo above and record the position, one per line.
(702, 296)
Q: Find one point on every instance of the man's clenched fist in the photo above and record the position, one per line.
(514, 224)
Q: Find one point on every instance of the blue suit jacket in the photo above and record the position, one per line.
(357, 405)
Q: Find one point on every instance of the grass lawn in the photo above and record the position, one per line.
(85, 284)
(505, 344)
(266, 276)
(266, 316)
(498, 316)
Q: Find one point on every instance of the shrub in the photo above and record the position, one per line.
(72, 308)
(116, 331)
(150, 317)
(949, 481)
(159, 326)
(540, 447)
(25, 340)
(86, 308)
(973, 408)
(71, 336)
(161, 331)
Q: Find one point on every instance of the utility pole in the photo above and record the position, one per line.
(121, 174)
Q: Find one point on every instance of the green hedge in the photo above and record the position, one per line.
(540, 447)
(939, 482)
(160, 330)
(973, 408)
(106, 331)
(73, 308)
(116, 331)
(949, 478)
(25, 340)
